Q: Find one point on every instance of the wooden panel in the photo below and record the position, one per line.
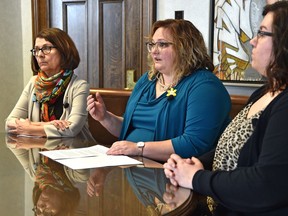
(72, 17)
(134, 38)
(109, 35)
(148, 17)
(40, 16)
(137, 30)
(75, 23)
(127, 51)
(112, 46)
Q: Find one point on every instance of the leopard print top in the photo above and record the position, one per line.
(233, 139)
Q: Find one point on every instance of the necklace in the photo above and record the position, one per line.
(162, 83)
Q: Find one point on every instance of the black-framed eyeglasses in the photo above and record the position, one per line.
(45, 50)
(263, 33)
(159, 45)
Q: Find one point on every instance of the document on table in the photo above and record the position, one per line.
(96, 150)
(90, 157)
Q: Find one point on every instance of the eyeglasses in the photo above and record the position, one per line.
(45, 212)
(263, 33)
(45, 50)
(159, 45)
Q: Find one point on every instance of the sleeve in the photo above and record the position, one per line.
(207, 115)
(21, 109)
(207, 159)
(76, 114)
(23, 157)
(265, 183)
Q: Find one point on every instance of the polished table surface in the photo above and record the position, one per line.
(29, 180)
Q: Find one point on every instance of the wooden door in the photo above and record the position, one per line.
(109, 35)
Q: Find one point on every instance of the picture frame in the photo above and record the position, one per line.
(235, 23)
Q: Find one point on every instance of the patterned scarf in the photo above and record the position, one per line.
(52, 174)
(48, 90)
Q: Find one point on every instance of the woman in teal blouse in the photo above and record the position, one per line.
(179, 106)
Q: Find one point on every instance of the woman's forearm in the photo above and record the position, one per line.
(36, 130)
(112, 123)
(158, 150)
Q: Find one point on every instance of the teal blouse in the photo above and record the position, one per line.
(193, 119)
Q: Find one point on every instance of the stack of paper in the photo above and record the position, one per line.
(90, 157)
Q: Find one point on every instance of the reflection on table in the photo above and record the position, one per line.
(154, 191)
(54, 188)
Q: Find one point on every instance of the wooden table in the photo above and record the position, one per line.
(28, 178)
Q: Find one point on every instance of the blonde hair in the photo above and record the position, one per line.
(188, 44)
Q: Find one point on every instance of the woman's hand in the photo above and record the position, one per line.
(26, 127)
(60, 124)
(96, 107)
(96, 181)
(124, 148)
(181, 171)
(11, 128)
(20, 127)
(175, 196)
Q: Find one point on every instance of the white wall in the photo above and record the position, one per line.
(15, 43)
(196, 11)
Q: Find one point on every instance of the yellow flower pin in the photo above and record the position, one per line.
(171, 93)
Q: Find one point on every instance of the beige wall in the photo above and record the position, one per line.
(15, 43)
(26, 21)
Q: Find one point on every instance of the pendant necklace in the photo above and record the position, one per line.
(162, 83)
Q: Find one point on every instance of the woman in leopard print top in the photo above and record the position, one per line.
(250, 166)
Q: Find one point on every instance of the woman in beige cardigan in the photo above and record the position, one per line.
(53, 104)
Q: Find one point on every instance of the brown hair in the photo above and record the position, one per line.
(277, 69)
(189, 45)
(64, 44)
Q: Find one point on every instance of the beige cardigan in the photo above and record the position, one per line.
(75, 95)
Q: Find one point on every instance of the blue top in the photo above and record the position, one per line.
(194, 119)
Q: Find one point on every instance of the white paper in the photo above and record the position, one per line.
(100, 161)
(96, 150)
(89, 157)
